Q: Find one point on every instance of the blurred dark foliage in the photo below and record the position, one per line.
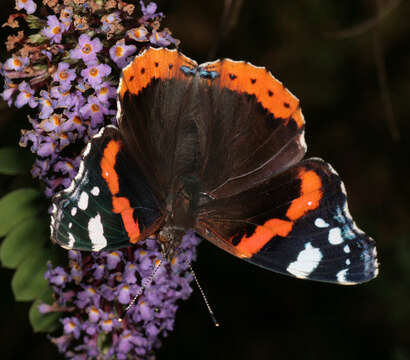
(335, 72)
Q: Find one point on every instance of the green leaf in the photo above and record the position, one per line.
(14, 160)
(15, 207)
(37, 38)
(35, 22)
(28, 282)
(43, 322)
(22, 241)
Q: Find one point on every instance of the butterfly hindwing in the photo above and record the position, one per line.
(106, 206)
(297, 223)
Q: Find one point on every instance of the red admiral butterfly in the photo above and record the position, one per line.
(218, 148)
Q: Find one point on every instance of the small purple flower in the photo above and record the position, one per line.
(138, 34)
(110, 19)
(95, 73)
(28, 5)
(66, 166)
(9, 90)
(16, 63)
(45, 308)
(46, 147)
(25, 96)
(56, 276)
(86, 49)
(40, 168)
(73, 122)
(47, 105)
(108, 322)
(66, 15)
(162, 38)
(129, 273)
(105, 91)
(121, 53)
(99, 270)
(93, 314)
(124, 296)
(72, 326)
(125, 343)
(149, 11)
(95, 110)
(88, 296)
(113, 259)
(62, 342)
(64, 75)
(52, 123)
(54, 29)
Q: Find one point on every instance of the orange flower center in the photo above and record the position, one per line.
(95, 108)
(103, 90)
(56, 30)
(56, 120)
(119, 51)
(28, 95)
(76, 120)
(47, 102)
(93, 72)
(87, 48)
(17, 62)
(63, 75)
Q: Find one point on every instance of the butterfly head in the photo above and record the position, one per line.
(170, 238)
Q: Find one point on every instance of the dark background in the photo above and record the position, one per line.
(351, 70)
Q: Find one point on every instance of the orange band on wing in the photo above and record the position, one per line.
(153, 64)
(262, 235)
(107, 166)
(311, 194)
(120, 205)
(243, 77)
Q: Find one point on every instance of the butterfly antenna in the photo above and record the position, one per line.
(145, 284)
(211, 313)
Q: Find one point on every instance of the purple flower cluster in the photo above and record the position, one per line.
(96, 288)
(68, 72)
(65, 73)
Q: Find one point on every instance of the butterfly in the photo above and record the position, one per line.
(217, 148)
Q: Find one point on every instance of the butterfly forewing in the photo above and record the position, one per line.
(106, 205)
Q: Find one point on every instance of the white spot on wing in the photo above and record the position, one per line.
(87, 149)
(73, 211)
(307, 261)
(346, 249)
(70, 225)
(70, 244)
(96, 233)
(95, 191)
(83, 202)
(335, 236)
(320, 223)
(341, 277)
